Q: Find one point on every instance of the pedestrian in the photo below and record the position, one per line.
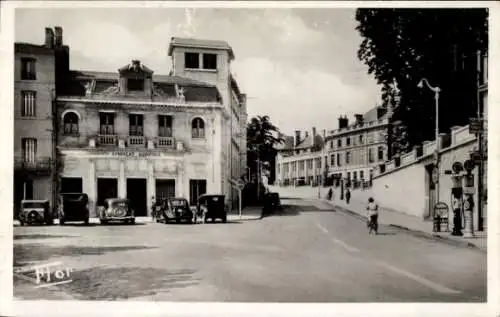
(372, 216)
(330, 194)
(348, 196)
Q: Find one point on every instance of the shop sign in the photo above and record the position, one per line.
(133, 154)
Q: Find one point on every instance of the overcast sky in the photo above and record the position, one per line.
(299, 66)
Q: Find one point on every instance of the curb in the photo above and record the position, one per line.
(422, 234)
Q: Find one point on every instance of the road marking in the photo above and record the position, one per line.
(435, 286)
(337, 241)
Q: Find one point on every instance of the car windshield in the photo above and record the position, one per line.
(119, 204)
(178, 203)
(34, 205)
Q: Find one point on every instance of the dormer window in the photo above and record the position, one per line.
(192, 60)
(209, 61)
(134, 84)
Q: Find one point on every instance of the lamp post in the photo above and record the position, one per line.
(436, 91)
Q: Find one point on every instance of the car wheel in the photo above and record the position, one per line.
(213, 220)
(61, 221)
(132, 221)
(103, 222)
(224, 219)
(86, 221)
(49, 222)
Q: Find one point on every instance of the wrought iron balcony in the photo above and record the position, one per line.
(37, 164)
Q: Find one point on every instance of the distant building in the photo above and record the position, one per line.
(38, 70)
(298, 161)
(353, 150)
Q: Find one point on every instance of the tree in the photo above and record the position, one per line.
(262, 137)
(402, 46)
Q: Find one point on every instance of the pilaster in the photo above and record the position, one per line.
(122, 181)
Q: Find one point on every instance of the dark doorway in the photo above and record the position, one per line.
(106, 188)
(165, 188)
(430, 191)
(71, 185)
(136, 193)
(197, 187)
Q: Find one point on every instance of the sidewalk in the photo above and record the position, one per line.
(412, 224)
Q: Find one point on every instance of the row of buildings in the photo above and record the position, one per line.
(348, 153)
(131, 133)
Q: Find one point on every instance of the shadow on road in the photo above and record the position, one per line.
(40, 252)
(40, 236)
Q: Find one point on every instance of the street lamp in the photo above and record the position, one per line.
(436, 91)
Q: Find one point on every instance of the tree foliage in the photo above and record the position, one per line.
(262, 136)
(402, 46)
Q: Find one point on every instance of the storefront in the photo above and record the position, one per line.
(137, 175)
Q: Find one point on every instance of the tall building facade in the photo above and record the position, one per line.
(38, 70)
(209, 61)
(353, 150)
(135, 134)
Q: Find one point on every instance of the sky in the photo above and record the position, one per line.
(298, 66)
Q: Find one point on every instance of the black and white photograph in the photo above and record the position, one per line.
(184, 152)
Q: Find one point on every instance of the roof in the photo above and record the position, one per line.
(306, 143)
(32, 49)
(163, 86)
(199, 43)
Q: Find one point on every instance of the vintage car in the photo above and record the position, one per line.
(212, 207)
(177, 209)
(73, 207)
(116, 209)
(35, 211)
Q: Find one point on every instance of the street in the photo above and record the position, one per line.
(309, 253)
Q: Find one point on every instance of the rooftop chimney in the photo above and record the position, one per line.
(296, 140)
(49, 38)
(359, 118)
(58, 36)
(313, 135)
(343, 122)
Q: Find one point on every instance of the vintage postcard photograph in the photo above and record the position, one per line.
(253, 156)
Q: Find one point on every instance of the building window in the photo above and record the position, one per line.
(192, 60)
(301, 165)
(136, 125)
(29, 149)
(309, 164)
(361, 139)
(70, 123)
(347, 157)
(348, 141)
(198, 128)
(348, 175)
(134, 84)
(339, 162)
(380, 153)
(355, 175)
(339, 143)
(370, 156)
(107, 123)
(28, 69)
(331, 144)
(318, 162)
(165, 126)
(361, 175)
(332, 160)
(28, 103)
(209, 61)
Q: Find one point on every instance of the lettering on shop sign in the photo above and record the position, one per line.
(133, 154)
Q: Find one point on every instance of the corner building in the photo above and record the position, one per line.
(142, 136)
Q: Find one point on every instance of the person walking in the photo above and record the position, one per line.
(330, 194)
(348, 196)
(372, 216)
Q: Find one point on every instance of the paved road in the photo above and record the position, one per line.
(309, 254)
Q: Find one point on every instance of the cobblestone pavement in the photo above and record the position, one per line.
(308, 253)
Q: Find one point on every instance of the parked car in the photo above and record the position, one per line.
(116, 209)
(177, 209)
(73, 207)
(212, 207)
(35, 211)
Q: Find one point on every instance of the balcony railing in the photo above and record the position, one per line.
(39, 164)
(136, 141)
(165, 142)
(107, 139)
